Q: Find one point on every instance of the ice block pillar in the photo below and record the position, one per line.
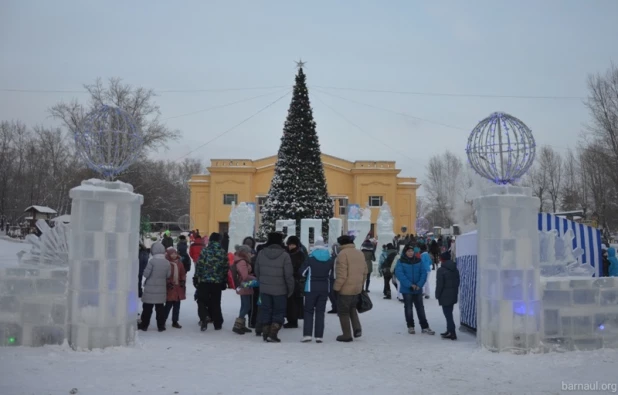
(290, 224)
(305, 225)
(242, 220)
(385, 230)
(335, 229)
(103, 262)
(508, 275)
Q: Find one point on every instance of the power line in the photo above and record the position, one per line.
(220, 106)
(234, 127)
(450, 94)
(392, 111)
(16, 90)
(364, 131)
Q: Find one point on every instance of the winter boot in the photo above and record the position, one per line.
(274, 331)
(238, 325)
(176, 325)
(346, 327)
(244, 327)
(428, 331)
(265, 331)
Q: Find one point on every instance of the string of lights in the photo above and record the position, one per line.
(324, 87)
(235, 126)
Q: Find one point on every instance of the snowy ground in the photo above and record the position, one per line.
(386, 360)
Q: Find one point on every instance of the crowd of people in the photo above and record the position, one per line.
(282, 282)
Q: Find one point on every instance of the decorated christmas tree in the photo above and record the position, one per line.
(298, 188)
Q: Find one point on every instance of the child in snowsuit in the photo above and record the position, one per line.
(176, 287)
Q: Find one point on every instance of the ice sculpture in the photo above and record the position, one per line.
(282, 224)
(366, 213)
(33, 294)
(52, 248)
(508, 275)
(305, 225)
(558, 258)
(385, 228)
(103, 301)
(359, 228)
(335, 229)
(241, 224)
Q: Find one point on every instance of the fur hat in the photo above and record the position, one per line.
(242, 249)
(293, 240)
(345, 239)
(275, 238)
(390, 246)
(445, 256)
(319, 244)
(214, 236)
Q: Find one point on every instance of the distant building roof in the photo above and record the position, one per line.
(40, 209)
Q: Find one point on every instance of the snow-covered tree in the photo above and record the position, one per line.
(298, 188)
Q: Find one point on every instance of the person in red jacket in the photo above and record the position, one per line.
(196, 249)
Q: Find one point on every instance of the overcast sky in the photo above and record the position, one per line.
(476, 47)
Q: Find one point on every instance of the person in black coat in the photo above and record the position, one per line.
(295, 302)
(434, 249)
(447, 290)
(144, 255)
(183, 252)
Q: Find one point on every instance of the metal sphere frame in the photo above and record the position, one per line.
(422, 225)
(501, 148)
(109, 141)
(185, 222)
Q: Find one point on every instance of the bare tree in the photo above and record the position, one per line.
(551, 165)
(570, 187)
(537, 179)
(137, 101)
(442, 185)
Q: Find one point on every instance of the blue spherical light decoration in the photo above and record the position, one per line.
(501, 148)
(109, 141)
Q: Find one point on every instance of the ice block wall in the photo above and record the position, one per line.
(305, 225)
(579, 313)
(290, 224)
(33, 305)
(103, 259)
(335, 229)
(242, 219)
(508, 275)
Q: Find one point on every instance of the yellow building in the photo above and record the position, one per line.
(245, 180)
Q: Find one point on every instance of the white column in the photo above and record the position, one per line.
(242, 220)
(103, 260)
(335, 229)
(305, 225)
(286, 223)
(508, 276)
(360, 228)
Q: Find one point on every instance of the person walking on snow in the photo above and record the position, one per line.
(274, 271)
(389, 253)
(447, 289)
(295, 302)
(317, 269)
(167, 240)
(176, 287)
(210, 280)
(426, 261)
(183, 252)
(243, 270)
(350, 279)
(369, 251)
(156, 274)
(412, 276)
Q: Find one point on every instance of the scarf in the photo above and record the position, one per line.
(175, 273)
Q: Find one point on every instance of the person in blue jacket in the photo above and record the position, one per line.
(317, 269)
(412, 276)
(613, 262)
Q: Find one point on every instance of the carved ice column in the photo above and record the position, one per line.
(385, 230)
(305, 225)
(103, 259)
(290, 224)
(508, 290)
(335, 229)
(241, 224)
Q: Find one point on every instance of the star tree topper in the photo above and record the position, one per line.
(300, 64)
